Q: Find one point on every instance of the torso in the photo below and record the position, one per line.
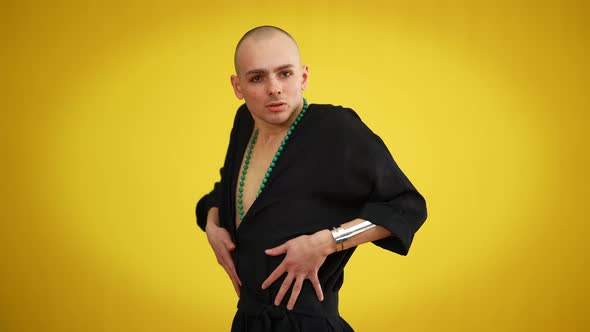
(262, 155)
(309, 190)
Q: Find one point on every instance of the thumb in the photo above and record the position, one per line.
(282, 249)
(230, 245)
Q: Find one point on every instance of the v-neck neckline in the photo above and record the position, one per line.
(235, 189)
(237, 167)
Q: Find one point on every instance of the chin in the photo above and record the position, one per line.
(279, 117)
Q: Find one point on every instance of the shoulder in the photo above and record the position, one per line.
(339, 120)
(344, 127)
(243, 113)
(242, 117)
(333, 112)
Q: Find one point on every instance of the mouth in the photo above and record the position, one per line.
(276, 106)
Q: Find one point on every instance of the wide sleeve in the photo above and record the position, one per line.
(215, 197)
(393, 202)
(212, 199)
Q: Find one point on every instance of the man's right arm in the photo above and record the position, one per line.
(207, 202)
(222, 246)
(207, 213)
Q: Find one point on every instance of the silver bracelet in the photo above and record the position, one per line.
(341, 234)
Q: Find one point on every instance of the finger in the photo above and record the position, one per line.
(235, 273)
(234, 280)
(276, 274)
(231, 271)
(236, 286)
(317, 286)
(228, 264)
(282, 249)
(295, 293)
(233, 277)
(284, 288)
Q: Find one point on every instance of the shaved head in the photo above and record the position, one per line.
(270, 77)
(261, 33)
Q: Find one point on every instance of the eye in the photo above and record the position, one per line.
(255, 78)
(286, 73)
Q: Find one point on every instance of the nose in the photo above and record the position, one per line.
(274, 87)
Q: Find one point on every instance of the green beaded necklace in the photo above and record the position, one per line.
(272, 163)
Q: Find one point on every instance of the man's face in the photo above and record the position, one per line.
(270, 78)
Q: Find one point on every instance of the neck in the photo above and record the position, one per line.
(269, 133)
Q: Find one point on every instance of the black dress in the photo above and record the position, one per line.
(333, 169)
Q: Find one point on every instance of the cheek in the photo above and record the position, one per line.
(253, 92)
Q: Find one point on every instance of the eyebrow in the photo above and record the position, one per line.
(263, 71)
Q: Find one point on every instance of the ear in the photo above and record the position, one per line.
(235, 83)
(304, 75)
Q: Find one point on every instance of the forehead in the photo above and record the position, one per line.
(266, 53)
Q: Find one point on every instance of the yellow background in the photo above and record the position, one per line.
(115, 119)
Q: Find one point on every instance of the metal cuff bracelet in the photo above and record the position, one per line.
(341, 234)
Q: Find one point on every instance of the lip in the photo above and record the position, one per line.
(276, 106)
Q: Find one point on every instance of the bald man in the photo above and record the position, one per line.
(301, 187)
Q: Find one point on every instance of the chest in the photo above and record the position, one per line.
(253, 169)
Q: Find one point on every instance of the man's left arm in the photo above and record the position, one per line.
(393, 205)
(304, 255)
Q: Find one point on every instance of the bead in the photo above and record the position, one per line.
(272, 164)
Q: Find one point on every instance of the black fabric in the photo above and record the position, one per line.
(333, 169)
(309, 315)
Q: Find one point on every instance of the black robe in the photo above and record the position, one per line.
(332, 170)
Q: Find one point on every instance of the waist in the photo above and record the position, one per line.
(305, 305)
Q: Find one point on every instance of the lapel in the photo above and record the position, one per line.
(243, 129)
(285, 162)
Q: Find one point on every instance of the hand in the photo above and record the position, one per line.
(304, 257)
(222, 245)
